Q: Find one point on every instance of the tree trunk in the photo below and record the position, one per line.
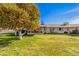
(18, 34)
(24, 32)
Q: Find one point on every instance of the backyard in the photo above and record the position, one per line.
(39, 45)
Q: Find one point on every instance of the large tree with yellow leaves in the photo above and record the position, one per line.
(19, 16)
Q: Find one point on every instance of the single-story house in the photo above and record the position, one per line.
(59, 28)
(53, 28)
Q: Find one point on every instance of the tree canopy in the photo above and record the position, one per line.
(20, 15)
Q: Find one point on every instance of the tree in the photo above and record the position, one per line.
(19, 16)
(32, 10)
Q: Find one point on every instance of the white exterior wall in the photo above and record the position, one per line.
(56, 30)
(46, 30)
(60, 31)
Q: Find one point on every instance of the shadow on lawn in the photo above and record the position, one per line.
(76, 35)
(9, 34)
(6, 41)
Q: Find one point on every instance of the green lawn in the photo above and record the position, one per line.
(40, 45)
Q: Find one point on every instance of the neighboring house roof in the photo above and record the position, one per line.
(60, 25)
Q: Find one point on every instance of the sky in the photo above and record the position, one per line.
(58, 13)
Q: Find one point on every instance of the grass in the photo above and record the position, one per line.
(40, 45)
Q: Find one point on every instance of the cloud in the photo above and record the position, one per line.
(74, 20)
(72, 10)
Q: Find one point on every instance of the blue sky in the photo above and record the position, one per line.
(58, 13)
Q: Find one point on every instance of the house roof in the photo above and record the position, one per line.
(60, 25)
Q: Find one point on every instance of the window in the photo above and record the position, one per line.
(67, 29)
(60, 29)
(76, 29)
(52, 28)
